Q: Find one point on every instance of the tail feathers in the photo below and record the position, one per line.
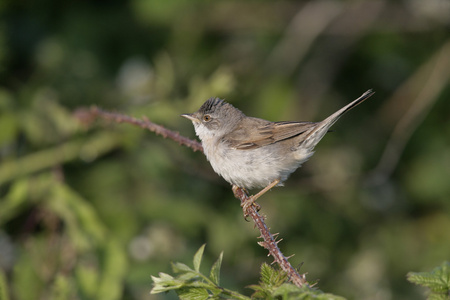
(317, 133)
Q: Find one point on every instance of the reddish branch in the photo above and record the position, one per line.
(87, 116)
(269, 242)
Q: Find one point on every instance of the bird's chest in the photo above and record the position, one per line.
(245, 168)
(224, 159)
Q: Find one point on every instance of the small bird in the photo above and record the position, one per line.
(254, 153)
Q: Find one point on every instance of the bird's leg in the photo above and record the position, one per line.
(251, 200)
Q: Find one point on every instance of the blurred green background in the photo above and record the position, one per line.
(93, 212)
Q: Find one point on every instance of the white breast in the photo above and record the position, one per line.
(254, 168)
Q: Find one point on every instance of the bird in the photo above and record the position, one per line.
(253, 153)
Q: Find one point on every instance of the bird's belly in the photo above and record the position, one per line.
(254, 168)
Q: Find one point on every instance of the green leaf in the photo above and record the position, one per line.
(162, 277)
(288, 288)
(260, 292)
(193, 294)
(290, 291)
(160, 288)
(438, 297)
(198, 258)
(271, 277)
(181, 268)
(267, 273)
(165, 283)
(215, 270)
(274, 285)
(438, 280)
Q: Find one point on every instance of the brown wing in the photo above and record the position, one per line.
(258, 132)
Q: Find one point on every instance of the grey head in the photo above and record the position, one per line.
(215, 118)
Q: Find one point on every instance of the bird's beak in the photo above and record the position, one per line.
(190, 117)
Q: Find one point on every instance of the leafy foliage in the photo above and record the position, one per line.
(191, 284)
(274, 284)
(437, 280)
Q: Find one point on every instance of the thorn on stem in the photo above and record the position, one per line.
(279, 241)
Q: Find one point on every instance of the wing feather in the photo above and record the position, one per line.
(257, 133)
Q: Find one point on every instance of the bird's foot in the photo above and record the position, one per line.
(250, 201)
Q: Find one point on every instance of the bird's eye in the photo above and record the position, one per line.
(206, 118)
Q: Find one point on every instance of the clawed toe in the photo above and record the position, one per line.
(247, 204)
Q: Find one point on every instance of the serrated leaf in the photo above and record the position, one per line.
(272, 278)
(162, 277)
(266, 274)
(438, 280)
(437, 297)
(215, 270)
(200, 284)
(288, 288)
(260, 292)
(165, 283)
(193, 294)
(180, 267)
(161, 289)
(198, 258)
(290, 291)
(216, 292)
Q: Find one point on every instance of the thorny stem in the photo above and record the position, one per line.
(269, 242)
(87, 116)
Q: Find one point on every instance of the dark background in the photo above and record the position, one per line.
(93, 212)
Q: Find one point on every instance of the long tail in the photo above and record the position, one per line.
(321, 128)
